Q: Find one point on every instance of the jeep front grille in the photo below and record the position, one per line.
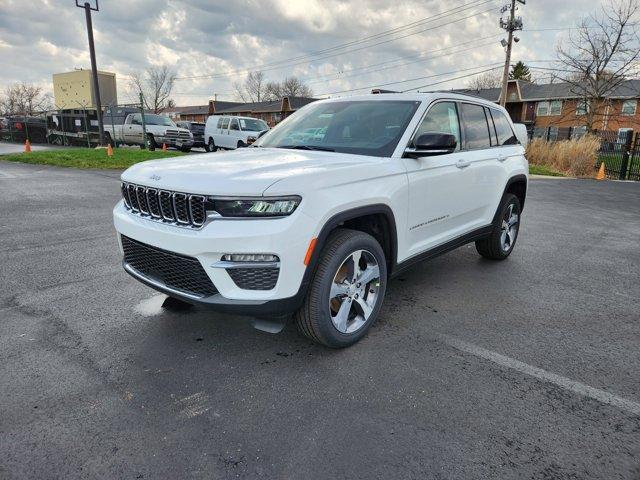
(184, 209)
(178, 272)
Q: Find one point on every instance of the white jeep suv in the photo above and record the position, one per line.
(318, 224)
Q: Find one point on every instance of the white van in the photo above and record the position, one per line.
(231, 132)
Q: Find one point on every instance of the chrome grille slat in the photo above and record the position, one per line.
(153, 203)
(133, 197)
(142, 199)
(180, 207)
(177, 208)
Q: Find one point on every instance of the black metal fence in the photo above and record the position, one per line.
(620, 151)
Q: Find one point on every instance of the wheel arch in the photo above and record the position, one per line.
(377, 220)
(518, 186)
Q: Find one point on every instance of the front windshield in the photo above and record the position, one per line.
(253, 125)
(370, 127)
(152, 119)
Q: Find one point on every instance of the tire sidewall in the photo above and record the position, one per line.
(322, 285)
(508, 200)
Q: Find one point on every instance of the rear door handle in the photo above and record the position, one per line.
(463, 163)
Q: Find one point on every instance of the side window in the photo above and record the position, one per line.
(442, 118)
(476, 129)
(225, 123)
(219, 125)
(503, 129)
(234, 125)
(492, 127)
(136, 119)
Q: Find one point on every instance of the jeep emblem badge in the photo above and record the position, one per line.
(155, 177)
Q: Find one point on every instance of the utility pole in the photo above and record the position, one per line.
(511, 25)
(94, 71)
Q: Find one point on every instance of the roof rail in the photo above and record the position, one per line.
(381, 90)
(457, 92)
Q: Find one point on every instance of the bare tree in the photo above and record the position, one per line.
(24, 99)
(156, 85)
(293, 87)
(486, 80)
(253, 89)
(600, 56)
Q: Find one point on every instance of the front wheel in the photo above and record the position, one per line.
(346, 293)
(499, 244)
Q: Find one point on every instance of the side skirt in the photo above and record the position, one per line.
(457, 242)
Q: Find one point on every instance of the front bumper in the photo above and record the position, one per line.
(174, 142)
(281, 237)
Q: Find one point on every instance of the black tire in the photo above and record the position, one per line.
(109, 140)
(152, 142)
(185, 149)
(493, 247)
(314, 319)
(210, 146)
(241, 144)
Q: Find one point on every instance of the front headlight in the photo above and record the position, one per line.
(259, 207)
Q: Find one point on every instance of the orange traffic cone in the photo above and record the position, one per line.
(164, 147)
(601, 173)
(27, 146)
(109, 151)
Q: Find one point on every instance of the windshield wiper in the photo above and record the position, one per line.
(307, 147)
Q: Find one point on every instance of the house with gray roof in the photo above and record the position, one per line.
(560, 105)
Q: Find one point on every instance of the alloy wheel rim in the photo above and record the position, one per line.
(354, 291)
(509, 228)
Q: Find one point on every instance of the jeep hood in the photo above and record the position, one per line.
(247, 171)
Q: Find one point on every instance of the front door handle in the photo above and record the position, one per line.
(501, 158)
(463, 163)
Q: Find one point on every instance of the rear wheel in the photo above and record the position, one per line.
(499, 244)
(210, 146)
(241, 144)
(347, 290)
(185, 149)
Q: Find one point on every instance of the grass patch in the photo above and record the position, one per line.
(544, 170)
(89, 157)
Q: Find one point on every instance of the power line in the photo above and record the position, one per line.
(283, 63)
(339, 76)
(412, 80)
(455, 78)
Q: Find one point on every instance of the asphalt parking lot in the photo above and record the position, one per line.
(528, 368)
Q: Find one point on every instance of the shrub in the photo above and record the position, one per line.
(575, 157)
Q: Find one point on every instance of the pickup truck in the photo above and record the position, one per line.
(160, 129)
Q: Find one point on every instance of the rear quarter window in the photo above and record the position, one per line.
(506, 135)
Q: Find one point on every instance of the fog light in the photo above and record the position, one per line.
(250, 257)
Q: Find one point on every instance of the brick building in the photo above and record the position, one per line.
(271, 112)
(555, 105)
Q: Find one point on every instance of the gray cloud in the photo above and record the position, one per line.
(203, 37)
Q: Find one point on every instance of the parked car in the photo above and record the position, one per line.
(230, 132)
(127, 129)
(197, 130)
(317, 227)
(18, 128)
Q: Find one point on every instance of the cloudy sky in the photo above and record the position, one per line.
(337, 47)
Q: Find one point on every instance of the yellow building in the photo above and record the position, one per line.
(74, 90)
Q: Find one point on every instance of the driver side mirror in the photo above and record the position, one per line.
(432, 143)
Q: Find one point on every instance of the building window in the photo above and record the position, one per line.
(543, 109)
(547, 108)
(552, 135)
(629, 107)
(579, 131)
(555, 107)
(582, 107)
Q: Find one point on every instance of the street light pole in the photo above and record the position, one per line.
(94, 70)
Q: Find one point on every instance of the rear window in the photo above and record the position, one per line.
(476, 128)
(503, 129)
